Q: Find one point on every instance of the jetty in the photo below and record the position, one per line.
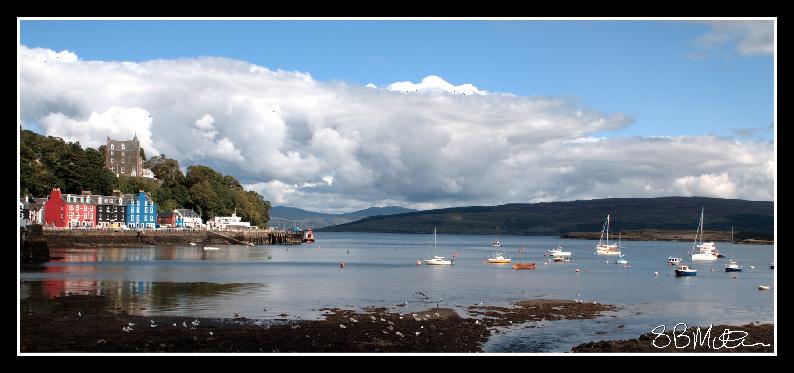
(98, 237)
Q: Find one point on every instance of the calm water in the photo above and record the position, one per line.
(381, 270)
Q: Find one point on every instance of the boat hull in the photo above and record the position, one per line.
(524, 266)
(685, 273)
(438, 262)
(704, 257)
(729, 269)
(499, 261)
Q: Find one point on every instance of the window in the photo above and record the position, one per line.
(122, 159)
(122, 146)
(71, 207)
(122, 169)
(113, 161)
(70, 215)
(111, 153)
(111, 146)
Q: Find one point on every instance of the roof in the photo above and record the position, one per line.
(188, 213)
(165, 214)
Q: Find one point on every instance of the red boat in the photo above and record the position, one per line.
(308, 236)
(524, 265)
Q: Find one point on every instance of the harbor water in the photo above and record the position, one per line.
(269, 282)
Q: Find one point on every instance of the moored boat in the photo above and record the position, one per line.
(706, 251)
(562, 258)
(557, 251)
(685, 270)
(524, 265)
(210, 248)
(673, 260)
(308, 236)
(606, 248)
(437, 260)
(771, 265)
(732, 266)
(499, 258)
(763, 287)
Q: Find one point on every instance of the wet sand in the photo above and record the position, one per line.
(763, 333)
(54, 325)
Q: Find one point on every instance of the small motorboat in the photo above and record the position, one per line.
(557, 251)
(763, 287)
(562, 258)
(673, 260)
(192, 244)
(771, 265)
(496, 243)
(207, 248)
(732, 266)
(499, 258)
(621, 260)
(685, 270)
(524, 265)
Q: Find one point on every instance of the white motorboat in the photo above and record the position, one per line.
(557, 251)
(208, 248)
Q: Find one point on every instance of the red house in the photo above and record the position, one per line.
(166, 219)
(70, 210)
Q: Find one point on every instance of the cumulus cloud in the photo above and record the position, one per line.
(434, 83)
(335, 146)
(750, 37)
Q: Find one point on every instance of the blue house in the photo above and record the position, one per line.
(141, 211)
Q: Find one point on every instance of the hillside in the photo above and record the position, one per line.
(289, 216)
(750, 219)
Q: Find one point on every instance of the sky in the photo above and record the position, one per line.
(340, 115)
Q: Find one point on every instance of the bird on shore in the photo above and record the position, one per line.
(195, 322)
(183, 324)
(131, 324)
(79, 314)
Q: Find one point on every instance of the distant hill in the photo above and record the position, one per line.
(289, 216)
(752, 218)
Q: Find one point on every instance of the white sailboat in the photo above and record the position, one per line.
(437, 260)
(606, 248)
(705, 250)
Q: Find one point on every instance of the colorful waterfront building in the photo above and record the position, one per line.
(141, 210)
(188, 218)
(111, 210)
(70, 210)
(167, 219)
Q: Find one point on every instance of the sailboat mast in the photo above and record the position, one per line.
(607, 229)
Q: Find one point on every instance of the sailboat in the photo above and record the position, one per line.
(621, 258)
(706, 250)
(519, 265)
(496, 242)
(437, 260)
(606, 249)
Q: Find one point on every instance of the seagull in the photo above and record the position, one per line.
(382, 319)
(399, 334)
(210, 333)
(125, 329)
(151, 321)
(195, 322)
(342, 326)
(477, 322)
(417, 333)
(183, 324)
(174, 324)
(80, 314)
(131, 324)
(153, 325)
(373, 318)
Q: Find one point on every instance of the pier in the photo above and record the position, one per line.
(93, 237)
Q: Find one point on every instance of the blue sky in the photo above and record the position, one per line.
(654, 71)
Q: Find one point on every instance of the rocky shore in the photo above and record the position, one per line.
(755, 339)
(85, 323)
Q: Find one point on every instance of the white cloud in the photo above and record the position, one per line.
(435, 83)
(118, 123)
(750, 37)
(334, 146)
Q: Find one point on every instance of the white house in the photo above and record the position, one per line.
(228, 223)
